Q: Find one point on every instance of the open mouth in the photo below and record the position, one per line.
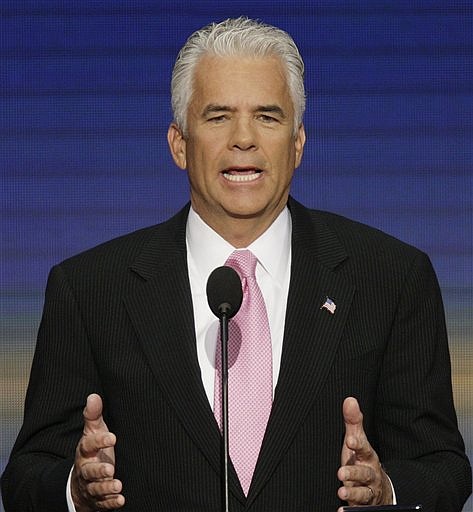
(241, 174)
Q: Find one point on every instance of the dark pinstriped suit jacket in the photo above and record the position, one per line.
(118, 320)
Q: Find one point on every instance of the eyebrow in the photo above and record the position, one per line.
(272, 109)
(213, 108)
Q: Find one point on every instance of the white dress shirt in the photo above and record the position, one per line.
(207, 250)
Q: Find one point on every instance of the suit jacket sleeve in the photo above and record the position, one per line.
(389, 350)
(416, 427)
(36, 476)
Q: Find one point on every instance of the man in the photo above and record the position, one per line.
(355, 317)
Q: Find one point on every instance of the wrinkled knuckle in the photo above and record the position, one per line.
(92, 490)
(109, 504)
(83, 447)
(103, 471)
(374, 474)
(89, 472)
(106, 502)
(100, 490)
(84, 475)
(348, 479)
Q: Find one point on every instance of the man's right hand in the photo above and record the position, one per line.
(93, 486)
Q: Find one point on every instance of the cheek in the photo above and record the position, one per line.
(203, 152)
(283, 154)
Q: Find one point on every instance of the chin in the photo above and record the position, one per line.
(246, 213)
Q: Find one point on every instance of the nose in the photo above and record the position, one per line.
(243, 136)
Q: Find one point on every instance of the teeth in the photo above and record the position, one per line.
(241, 177)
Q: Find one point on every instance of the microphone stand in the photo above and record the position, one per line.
(224, 295)
(226, 450)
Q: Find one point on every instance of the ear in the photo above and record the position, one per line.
(177, 145)
(299, 144)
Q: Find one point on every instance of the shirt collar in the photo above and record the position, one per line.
(272, 248)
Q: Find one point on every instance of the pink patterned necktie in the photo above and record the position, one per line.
(250, 388)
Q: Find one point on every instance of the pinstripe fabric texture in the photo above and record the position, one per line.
(118, 321)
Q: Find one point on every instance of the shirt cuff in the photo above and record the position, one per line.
(392, 489)
(70, 504)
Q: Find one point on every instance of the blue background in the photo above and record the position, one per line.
(85, 105)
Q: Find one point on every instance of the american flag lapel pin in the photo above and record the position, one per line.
(329, 305)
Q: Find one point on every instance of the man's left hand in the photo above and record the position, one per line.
(364, 480)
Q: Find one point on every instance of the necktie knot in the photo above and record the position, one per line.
(244, 262)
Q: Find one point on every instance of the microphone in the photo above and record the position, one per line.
(224, 295)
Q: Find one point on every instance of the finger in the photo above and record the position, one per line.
(97, 471)
(356, 475)
(111, 502)
(106, 495)
(104, 490)
(93, 419)
(94, 492)
(361, 495)
(90, 444)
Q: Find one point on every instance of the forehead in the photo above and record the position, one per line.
(236, 79)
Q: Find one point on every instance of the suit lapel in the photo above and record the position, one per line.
(312, 334)
(162, 313)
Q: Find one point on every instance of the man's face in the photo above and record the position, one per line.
(240, 149)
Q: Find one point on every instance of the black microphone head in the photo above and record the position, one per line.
(224, 293)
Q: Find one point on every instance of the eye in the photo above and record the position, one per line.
(265, 118)
(217, 119)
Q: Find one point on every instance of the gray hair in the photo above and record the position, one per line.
(235, 37)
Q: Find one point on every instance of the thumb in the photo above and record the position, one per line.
(355, 443)
(354, 433)
(93, 419)
(352, 416)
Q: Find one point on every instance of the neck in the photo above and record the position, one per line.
(240, 232)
